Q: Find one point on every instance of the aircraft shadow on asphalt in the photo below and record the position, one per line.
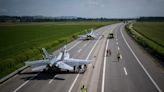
(44, 75)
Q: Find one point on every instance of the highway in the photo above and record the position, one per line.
(136, 71)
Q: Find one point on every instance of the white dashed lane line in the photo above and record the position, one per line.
(79, 50)
(117, 43)
(126, 73)
(52, 79)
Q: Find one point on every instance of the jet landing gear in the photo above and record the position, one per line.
(83, 69)
(79, 69)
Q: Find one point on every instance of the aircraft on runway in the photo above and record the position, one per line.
(89, 36)
(62, 61)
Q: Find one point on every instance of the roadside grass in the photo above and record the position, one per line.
(20, 42)
(150, 35)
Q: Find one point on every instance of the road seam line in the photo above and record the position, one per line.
(70, 89)
(104, 67)
(155, 84)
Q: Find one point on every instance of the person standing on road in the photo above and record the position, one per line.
(107, 52)
(83, 89)
(118, 56)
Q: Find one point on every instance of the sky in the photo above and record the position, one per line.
(83, 8)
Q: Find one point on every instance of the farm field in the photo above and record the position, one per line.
(21, 41)
(151, 36)
(152, 30)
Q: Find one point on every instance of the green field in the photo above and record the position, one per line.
(21, 41)
(152, 30)
(150, 35)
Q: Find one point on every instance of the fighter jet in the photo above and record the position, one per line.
(61, 62)
(89, 36)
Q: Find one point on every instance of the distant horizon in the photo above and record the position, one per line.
(78, 16)
(83, 8)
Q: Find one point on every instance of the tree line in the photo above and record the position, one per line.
(4, 18)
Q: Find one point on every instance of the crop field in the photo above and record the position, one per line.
(21, 41)
(152, 30)
(151, 36)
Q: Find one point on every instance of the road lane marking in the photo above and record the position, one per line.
(79, 50)
(70, 89)
(104, 67)
(118, 48)
(52, 79)
(21, 86)
(126, 73)
(120, 56)
(155, 84)
(117, 43)
(73, 46)
(24, 83)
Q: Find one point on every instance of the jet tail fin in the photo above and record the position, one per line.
(46, 55)
(86, 31)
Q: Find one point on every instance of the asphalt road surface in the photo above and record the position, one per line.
(135, 71)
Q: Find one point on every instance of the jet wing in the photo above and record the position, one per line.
(37, 65)
(77, 62)
(81, 37)
(39, 68)
(62, 65)
(59, 56)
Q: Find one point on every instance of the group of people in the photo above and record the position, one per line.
(108, 53)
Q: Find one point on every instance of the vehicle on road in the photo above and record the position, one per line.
(110, 36)
(61, 62)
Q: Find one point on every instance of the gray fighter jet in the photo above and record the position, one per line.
(61, 62)
(89, 35)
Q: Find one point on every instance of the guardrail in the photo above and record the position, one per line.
(12, 74)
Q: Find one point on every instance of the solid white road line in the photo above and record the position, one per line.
(79, 50)
(155, 84)
(52, 79)
(70, 89)
(74, 46)
(126, 73)
(104, 67)
(21, 86)
(24, 83)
